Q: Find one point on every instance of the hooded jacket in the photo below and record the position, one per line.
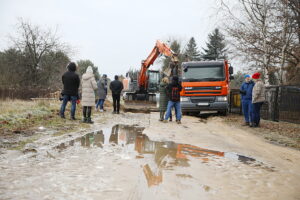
(89, 86)
(246, 90)
(102, 88)
(71, 81)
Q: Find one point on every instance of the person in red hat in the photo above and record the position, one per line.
(258, 98)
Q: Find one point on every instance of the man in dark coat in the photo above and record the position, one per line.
(71, 84)
(246, 94)
(173, 91)
(116, 88)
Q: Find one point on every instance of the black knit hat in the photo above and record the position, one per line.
(72, 66)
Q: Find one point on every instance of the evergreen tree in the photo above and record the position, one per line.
(83, 65)
(215, 46)
(192, 53)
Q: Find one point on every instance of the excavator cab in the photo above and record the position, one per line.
(153, 81)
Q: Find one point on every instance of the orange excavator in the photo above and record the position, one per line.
(145, 85)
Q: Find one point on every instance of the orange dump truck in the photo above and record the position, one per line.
(205, 86)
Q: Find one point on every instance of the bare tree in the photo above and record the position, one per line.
(265, 33)
(36, 42)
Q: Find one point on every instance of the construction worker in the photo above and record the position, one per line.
(246, 94)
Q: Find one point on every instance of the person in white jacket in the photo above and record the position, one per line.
(89, 85)
(258, 98)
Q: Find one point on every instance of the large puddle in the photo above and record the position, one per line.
(166, 154)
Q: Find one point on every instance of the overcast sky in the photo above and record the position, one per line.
(114, 34)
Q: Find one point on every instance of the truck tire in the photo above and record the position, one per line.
(185, 113)
(130, 97)
(223, 112)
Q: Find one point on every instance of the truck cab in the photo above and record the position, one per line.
(205, 86)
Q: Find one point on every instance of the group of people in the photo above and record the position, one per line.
(89, 86)
(252, 93)
(253, 96)
(169, 98)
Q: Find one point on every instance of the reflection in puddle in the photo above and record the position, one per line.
(166, 154)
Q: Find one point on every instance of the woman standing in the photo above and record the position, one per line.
(102, 92)
(258, 98)
(89, 85)
(163, 98)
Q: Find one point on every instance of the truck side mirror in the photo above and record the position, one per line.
(230, 70)
(231, 77)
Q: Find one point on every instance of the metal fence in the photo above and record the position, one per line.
(282, 103)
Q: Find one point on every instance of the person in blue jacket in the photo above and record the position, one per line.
(246, 94)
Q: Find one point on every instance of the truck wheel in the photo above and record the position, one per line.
(185, 113)
(223, 113)
(130, 97)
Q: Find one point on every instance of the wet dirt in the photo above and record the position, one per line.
(125, 136)
(152, 160)
(139, 107)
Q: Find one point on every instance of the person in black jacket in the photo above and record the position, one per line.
(173, 91)
(71, 84)
(116, 88)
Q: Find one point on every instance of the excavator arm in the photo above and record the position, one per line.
(159, 48)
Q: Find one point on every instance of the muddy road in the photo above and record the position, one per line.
(134, 156)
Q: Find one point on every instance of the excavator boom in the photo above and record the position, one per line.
(159, 48)
(147, 82)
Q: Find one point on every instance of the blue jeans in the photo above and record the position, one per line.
(177, 106)
(256, 112)
(247, 110)
(100, 103)
(65, 100)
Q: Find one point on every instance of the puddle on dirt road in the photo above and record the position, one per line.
(166, 154)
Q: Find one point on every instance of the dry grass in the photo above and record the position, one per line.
(22, 118)
(17, 115)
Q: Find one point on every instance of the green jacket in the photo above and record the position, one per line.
(163, 98)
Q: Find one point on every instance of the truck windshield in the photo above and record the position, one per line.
(203, 73)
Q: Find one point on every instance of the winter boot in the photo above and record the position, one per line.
(246, 124)
(84, 114)
(89, 113)
(89, 121)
